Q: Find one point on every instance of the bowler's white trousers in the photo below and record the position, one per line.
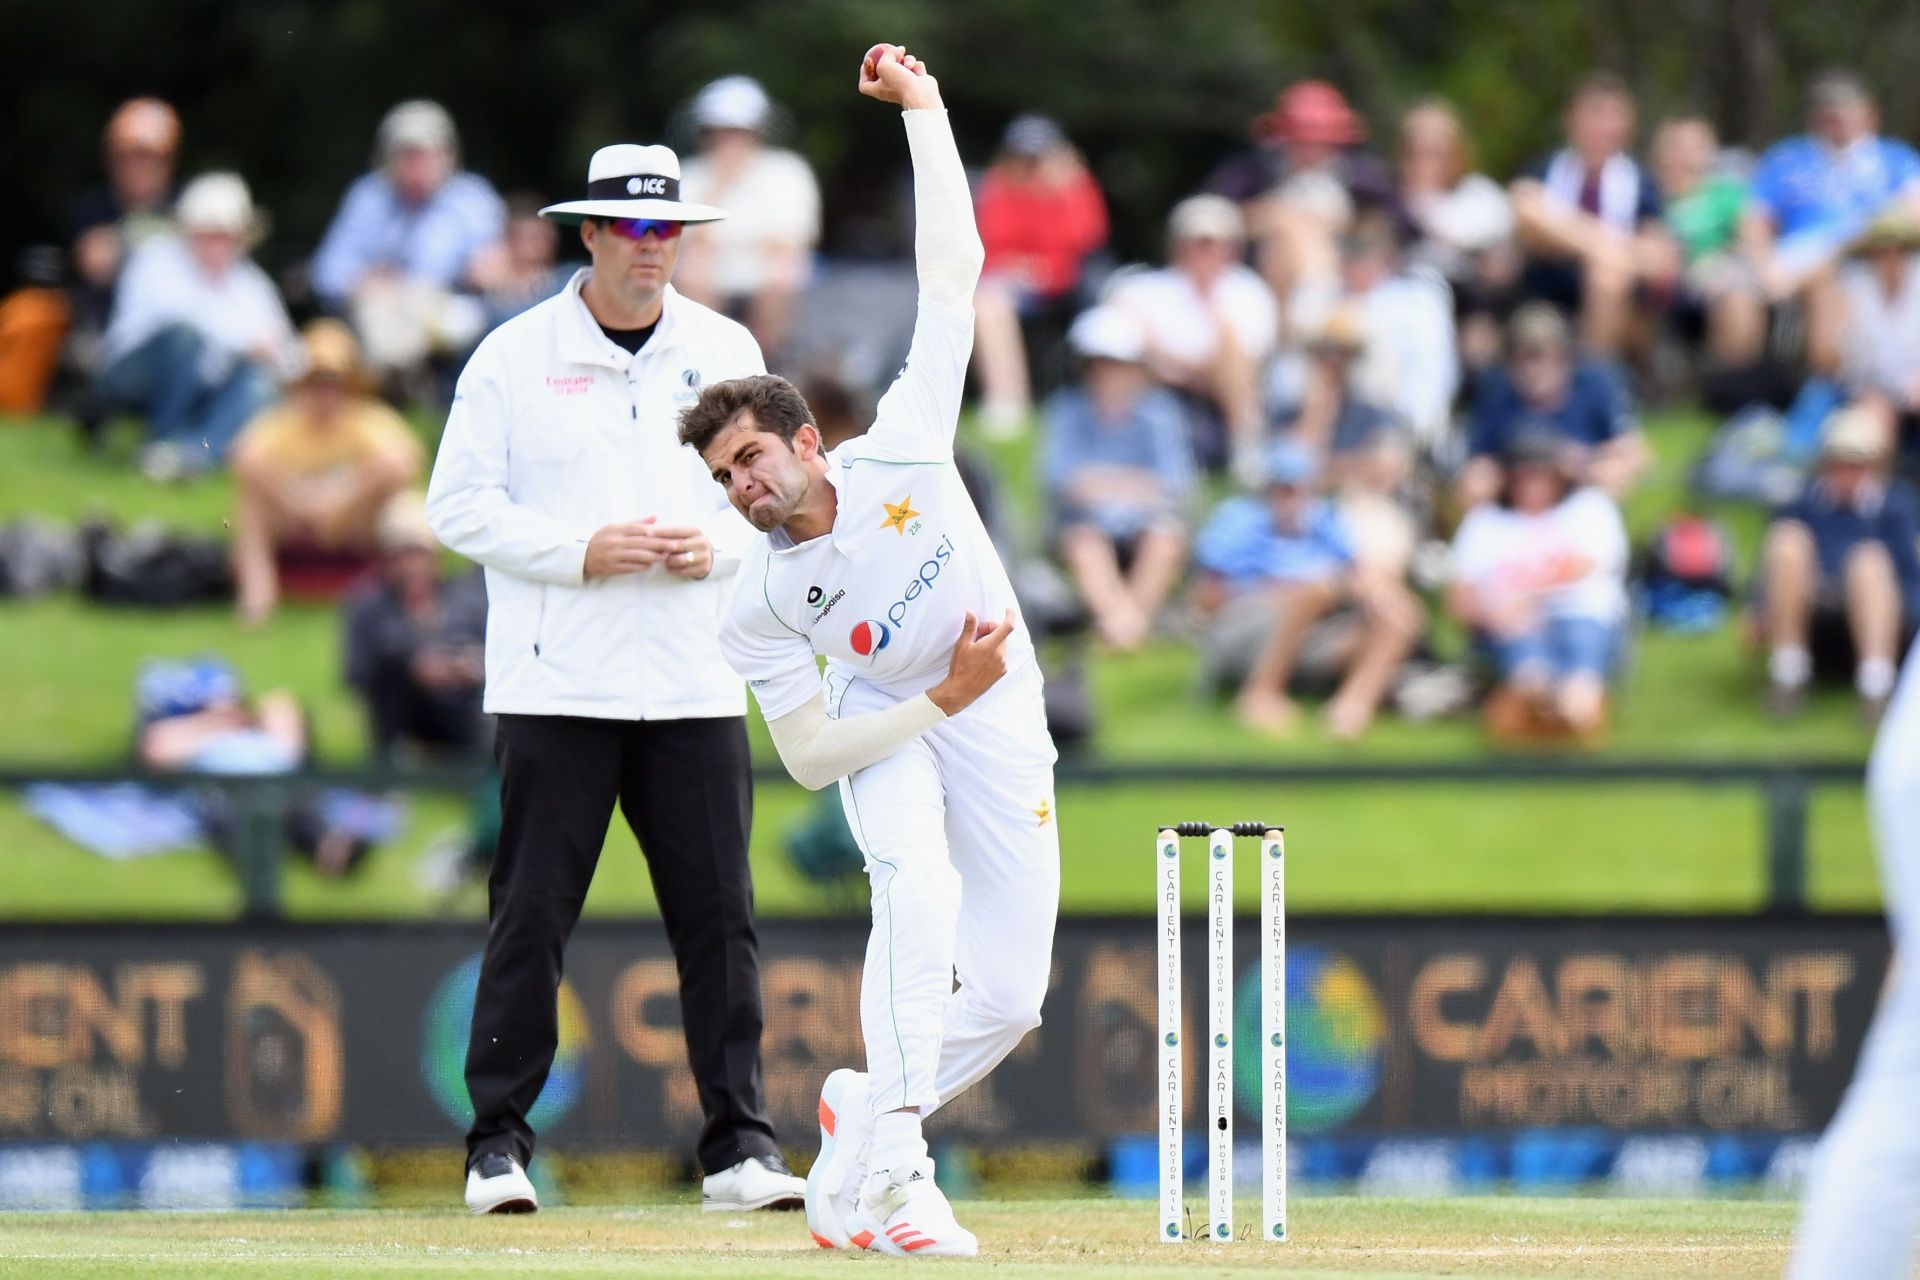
(963, 856)
(1862, 1209)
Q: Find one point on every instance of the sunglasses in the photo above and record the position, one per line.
(637, 228)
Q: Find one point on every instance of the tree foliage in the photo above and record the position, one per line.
(1156, 91)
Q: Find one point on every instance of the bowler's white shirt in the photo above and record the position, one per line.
(882, 597)
(554, 433)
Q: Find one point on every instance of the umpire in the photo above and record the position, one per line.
(605, 545)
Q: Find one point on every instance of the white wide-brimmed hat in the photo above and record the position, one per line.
(218, 202)
(631, 181)
(1108, 332)
(733, 102)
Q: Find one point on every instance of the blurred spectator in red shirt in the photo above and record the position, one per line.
(1041, 214)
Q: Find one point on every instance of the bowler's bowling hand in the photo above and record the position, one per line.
(891, 74)
(979, 660)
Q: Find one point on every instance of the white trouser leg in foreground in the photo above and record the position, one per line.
(962, 850)
(1862, 1210)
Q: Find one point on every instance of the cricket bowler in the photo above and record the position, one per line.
(928, 715)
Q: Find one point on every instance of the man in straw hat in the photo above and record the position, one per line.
(1880, 302)
(606, 550)
(313, 473)
(1839, 573)
(199, 337)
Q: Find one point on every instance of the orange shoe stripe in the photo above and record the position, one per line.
(826, 1117)
(821, 1240)
(919, 1242)
(862, 1239)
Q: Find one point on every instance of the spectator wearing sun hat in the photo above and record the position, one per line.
(1310, 129)
(1119, 477)
(314, 473)
(1880, 326)
(412, 243)
(1210, 324)
(1302, 183)
(199, 337)
(1839, 572)
(753, 264)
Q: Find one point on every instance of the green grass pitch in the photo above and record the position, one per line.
(1030, 1238)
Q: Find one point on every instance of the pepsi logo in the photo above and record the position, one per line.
(869, 637)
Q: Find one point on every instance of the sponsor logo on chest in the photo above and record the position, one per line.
(814, 597)
(870, 635)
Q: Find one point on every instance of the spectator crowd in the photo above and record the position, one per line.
(1371, 413)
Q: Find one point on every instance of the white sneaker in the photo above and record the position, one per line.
(910, 1218)
(846, 1132)
(497, 1184)
(758, 1182)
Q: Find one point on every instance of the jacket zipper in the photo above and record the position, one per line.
(540, 620)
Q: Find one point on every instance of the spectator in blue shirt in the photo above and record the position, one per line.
(1813, 194)
(1546, 385)
(1840, 574)
(1119, 476)
(413, 242)
(1588, 218)
(1274, 566)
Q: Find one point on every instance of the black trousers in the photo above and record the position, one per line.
(686, 792)
(403, 709)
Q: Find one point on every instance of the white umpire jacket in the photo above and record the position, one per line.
(554, 433)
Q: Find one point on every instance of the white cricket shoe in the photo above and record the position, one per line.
(758, 1182)
(846, 1132)
(909, 1218)
(497, 1184)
